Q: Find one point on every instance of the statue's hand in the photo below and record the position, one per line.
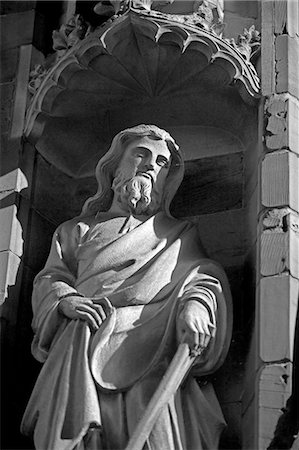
(194, 326)
(94, 311)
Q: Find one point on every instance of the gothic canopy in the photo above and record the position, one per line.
(139, 66)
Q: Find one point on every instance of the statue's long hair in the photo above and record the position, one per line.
(106, 168)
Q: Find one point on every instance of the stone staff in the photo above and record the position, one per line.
(171, 381)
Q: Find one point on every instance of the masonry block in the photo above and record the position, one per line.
(282, 127)
(287, 56)
(280, 243)
(280, 180)
(277, 316)
(274, 388)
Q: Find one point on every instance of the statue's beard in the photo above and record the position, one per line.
(137, 195)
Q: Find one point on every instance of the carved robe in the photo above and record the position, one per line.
(94, 387)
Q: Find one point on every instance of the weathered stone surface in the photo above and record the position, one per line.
(292, 22)
(14, 180)
(280, 180)
(51, 184)
(21, 92)
(226, 243)
(9, 263)
(231, 437)
(38, 241)
(9, 63)
(26, 162)
(235, 24)
(280, 244)
(277, 316)
(280, 16)
(286, 56)
(16, 6)
(251, 367)
(7, 97)
(268, 49)
(293, 129)
(249, 425)
(295, 445)
(11, 231)
(274, 389)
(210, 185)
(282, 126)
(17, 29)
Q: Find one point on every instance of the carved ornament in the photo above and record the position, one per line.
(139, 34)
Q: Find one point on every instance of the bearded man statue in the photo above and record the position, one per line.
(125, 283)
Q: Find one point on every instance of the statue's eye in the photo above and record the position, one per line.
(139, 153)
(162, 161)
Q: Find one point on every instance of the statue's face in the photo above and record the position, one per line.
(149, 158)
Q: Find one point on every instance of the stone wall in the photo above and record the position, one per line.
(270, 367)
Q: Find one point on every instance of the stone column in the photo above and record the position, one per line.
(277, 218)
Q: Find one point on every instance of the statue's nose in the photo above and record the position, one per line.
(149, 166)
(149, 163)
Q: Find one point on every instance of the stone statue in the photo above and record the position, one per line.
(124, 284)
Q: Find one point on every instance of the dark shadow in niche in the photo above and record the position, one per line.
(18, 369)
(50, 199)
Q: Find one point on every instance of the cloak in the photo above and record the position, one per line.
(104, 380)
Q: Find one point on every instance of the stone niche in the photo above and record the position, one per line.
(145, 67)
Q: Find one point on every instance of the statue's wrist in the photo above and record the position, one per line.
(70, 294)
(196, 304)
(66, 297)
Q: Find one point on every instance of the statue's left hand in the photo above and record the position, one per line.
(194, 325)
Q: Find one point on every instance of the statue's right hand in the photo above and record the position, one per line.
(84, 308)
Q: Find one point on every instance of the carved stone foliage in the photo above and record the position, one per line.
(68, 35)
(248, 43)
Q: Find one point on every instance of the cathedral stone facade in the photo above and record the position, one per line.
(222, 77)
